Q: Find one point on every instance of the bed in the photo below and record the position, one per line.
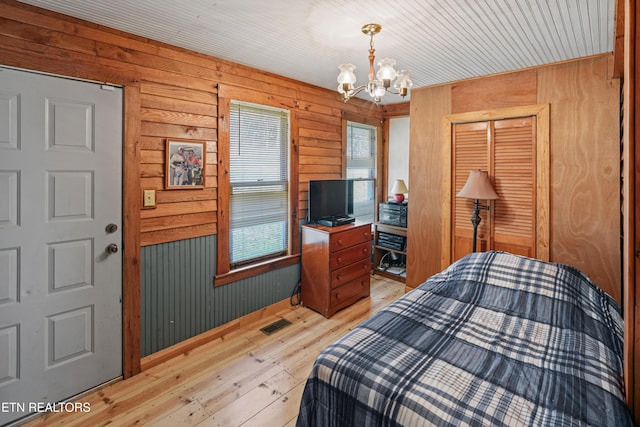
(495, 339)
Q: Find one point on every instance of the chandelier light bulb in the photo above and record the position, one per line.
(386, 70)
(379, 89)
(379, 83)
(403, 80)
(346, 74)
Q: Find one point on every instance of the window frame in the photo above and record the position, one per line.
(380, 181)
(373, 179)
(224, 273)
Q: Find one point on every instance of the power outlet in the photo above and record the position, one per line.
(149, 198)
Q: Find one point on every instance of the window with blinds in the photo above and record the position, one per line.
(361, 168)
(259, 181)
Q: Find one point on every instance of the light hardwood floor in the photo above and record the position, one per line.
(245, 378)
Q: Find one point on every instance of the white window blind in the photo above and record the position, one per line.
(361, 167)
(259, 173)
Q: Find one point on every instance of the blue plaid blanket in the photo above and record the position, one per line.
(493, 340)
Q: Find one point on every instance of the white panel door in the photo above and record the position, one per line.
(60, 209)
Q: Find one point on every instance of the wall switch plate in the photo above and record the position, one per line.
(149, 199)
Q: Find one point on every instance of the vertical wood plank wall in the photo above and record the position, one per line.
(585, 162)
(178, 301)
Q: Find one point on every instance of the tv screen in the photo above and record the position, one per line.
(331, 198)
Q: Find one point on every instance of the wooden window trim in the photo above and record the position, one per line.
(382, 148)
(224, 273)
(255, 269)
(541, 112)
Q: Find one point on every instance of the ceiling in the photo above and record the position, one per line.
(439, 41)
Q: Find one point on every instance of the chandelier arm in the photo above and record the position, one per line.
(353, 92)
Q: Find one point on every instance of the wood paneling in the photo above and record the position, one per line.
(585, 168)
(584, 158)
(426, 156)
(494, 92)
(631, 209)
(131, 241)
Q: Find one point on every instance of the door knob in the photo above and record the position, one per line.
(111, 228)
(112, 248)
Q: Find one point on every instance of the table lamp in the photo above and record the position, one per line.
(398, 190)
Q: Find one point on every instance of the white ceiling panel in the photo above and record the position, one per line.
(438, 40)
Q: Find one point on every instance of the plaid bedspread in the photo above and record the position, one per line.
(494, 340)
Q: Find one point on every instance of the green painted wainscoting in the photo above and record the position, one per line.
(179, 300)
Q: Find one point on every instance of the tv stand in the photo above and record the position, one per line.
(335, 221)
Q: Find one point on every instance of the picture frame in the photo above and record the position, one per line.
(185, 165)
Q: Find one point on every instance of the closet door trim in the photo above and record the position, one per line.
(541, 112)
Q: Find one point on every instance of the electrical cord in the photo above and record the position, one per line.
(381, 263)
(295, 294)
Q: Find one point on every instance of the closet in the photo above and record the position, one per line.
(507, 150)
(512, 145)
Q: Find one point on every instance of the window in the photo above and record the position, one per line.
(259, 187)
(361, 167)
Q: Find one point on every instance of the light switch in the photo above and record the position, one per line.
(149, 198)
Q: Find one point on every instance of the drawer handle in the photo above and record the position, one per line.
(340, 241)
(339, 276)
(339, 260)
(365, 267)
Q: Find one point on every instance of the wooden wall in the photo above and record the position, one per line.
(631, 208)
(584, 157)
(171, 92)
(178, 97)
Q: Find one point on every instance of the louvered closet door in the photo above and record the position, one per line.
(506, 149)
(514, 177)
(470, 149)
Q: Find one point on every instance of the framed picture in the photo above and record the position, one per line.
(185, 165)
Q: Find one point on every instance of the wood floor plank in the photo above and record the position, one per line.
(281, 412)
(245, 407)
(191, 414)
(244, 377)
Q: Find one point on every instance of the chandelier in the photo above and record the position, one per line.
(379, 83)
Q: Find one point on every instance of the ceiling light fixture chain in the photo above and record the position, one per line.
(379, 83)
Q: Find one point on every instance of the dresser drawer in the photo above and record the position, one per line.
(350, 272)
(356, 288)
(350, 238)
(350, 255)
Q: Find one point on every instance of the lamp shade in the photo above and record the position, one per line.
(399, 187)
(478, 186)
(398, 190)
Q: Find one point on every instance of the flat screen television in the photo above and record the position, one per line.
(330, 199)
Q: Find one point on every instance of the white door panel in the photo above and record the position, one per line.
(60, 186)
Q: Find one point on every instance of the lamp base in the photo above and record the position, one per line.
(398, 198)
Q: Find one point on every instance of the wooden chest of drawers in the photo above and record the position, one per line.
(336, 266)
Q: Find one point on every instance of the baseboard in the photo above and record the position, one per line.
(184, 347)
